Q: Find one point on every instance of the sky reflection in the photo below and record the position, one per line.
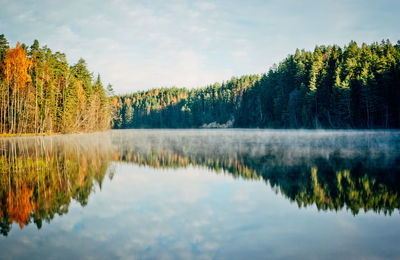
(193, 213)
(143, 210)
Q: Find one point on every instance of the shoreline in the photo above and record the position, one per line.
(27, 134)
(3, 135)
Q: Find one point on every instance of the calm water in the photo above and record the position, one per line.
(201, 194)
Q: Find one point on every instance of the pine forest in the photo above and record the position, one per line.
(330, 87)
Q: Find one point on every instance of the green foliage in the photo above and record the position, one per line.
(3, 47)
(331, 87)
(181, 108)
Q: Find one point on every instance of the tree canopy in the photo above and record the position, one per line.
(330, 87)
(41, 93)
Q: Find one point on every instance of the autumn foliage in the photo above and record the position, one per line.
(16, 67)
(41, 93)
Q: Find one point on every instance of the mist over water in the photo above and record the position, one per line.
(220, 193)
(294, 144)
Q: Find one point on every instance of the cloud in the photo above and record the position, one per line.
(206, 6)
(140, 45)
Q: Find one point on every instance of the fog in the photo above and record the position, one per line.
(272, 147)
(285, 146)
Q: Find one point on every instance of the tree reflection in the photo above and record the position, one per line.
(331, 172)
(327, 183)
(40, 176)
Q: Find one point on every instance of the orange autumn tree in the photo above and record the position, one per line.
(41, 93)
(15, 68)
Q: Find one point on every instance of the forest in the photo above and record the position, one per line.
(330, 87)
(41, 93)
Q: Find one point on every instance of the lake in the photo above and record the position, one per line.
(201, 194)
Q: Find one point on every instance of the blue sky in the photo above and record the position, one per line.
(138, 45)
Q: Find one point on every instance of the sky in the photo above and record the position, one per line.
(140, 45)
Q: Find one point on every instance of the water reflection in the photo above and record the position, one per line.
(39, 176)
(332, 170)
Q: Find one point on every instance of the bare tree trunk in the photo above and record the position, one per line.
(8, 110)
(36, 108)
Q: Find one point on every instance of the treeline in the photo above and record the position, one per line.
(41, 93)
(331, 87)
(180, 107)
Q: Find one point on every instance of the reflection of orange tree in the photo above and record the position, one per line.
(38, 179)
(19, 205)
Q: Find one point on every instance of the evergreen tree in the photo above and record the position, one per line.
(331, 87)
